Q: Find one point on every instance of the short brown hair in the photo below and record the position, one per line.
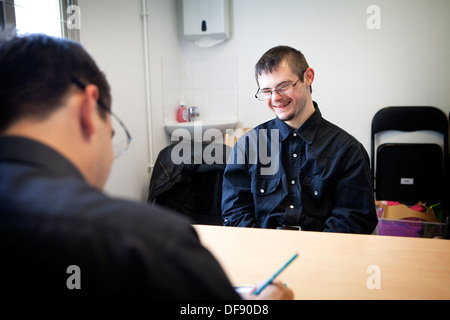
(275, 56)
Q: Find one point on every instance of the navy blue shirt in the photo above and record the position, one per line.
(316, 177)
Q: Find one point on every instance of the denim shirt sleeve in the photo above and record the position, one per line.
(354, 204)
(336, 193)
(237, 200)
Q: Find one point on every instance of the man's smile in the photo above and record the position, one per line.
(282, 105)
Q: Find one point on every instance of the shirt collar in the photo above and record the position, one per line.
(307, 130)
(33, 153)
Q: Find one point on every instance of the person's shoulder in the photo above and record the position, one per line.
(253, 134)
(336, 133)
(269, 124)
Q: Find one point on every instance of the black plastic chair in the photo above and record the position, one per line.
(410, 172)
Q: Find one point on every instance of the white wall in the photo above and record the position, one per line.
(111, 31)
(358, 70)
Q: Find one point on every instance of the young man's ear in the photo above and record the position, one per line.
(88, 110)
(309, 76)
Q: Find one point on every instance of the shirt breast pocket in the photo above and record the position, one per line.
(316, 195)
(268, 194)
(315, 187)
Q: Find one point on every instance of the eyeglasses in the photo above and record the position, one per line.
(121, 138)
(266, 94)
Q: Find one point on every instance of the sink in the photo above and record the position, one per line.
(197, 129)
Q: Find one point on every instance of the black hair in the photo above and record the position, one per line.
(36, 73)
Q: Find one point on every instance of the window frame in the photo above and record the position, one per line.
(7, 14)
(73, 34)
(8, 18)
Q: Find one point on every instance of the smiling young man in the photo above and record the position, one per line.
(321, 180)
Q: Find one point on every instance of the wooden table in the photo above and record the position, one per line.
(334, 265)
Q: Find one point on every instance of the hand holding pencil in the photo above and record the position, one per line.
(273, 289)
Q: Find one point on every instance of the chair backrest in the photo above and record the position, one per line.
(409, 119)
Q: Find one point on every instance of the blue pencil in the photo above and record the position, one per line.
(275, 275)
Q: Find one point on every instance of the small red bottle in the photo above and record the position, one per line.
(182, 113)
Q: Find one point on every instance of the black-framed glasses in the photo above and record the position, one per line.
(266, 94)
(121, 137)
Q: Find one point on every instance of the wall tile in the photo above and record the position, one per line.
(222, 103)
(222, 73)
(209, 84)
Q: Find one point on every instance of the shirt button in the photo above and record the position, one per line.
(294, 134)
(291, 206)
(294, 155)
(262, 190)
(316, 193)
(293, 182)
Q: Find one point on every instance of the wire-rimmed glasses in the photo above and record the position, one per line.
(284, 88)
(121, 137)
(266, 94)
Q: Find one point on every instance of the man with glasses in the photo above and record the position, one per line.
(321, 179)
(60, 235)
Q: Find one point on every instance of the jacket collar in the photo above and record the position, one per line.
(307, 131)
(30, 152)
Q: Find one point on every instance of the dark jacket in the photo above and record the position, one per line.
(51, 219)
(194, 186)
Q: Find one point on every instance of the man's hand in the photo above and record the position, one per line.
(274, 291)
